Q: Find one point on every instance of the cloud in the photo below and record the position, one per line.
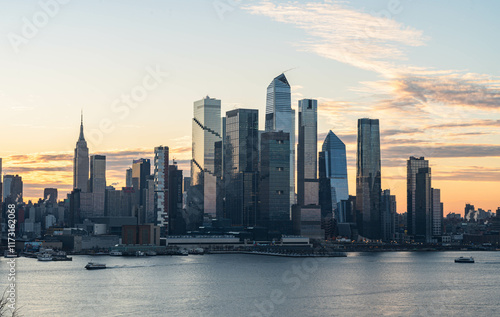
(443, 150)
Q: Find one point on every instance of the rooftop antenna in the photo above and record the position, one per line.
(289, 69)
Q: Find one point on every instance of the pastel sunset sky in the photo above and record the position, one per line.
(427, 69)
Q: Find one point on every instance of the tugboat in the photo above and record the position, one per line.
(464, 260)
(95, 266)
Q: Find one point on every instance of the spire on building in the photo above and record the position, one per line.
(81, 138)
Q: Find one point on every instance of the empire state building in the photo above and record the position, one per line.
(81, 163)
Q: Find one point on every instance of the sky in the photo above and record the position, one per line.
(428, 70)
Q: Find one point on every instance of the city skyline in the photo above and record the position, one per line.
(456, 129)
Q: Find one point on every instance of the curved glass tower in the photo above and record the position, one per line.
(336, 170)
(281, 117)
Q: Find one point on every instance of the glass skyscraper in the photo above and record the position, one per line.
(423, 205)
(412, 168)
(281, 117)
(206, 132)
(81, 162)
(241, 166)
(161, 188)
(274, 178)
(368, 179)
(307, 153)
(335, 169)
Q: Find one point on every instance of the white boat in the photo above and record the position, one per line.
(139, 253)
(95, 266)
(464, 260)
(115, 253)
(44, 257)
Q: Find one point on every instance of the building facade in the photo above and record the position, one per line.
(206, 129)
(281, 117)
(97, 183)
(368, 178)
(307, 153)
(161, 170)
(81, 162)
(241, 166)
(412, 167)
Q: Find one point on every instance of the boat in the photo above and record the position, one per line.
(464, 260)
(199, 251)
(95, 266)
(115, 253)
(61, 256)
(44, 257)
(150, 253)
(139, 253)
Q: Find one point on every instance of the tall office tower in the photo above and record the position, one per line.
(423, 205)
(281, 117)
(412, 167)
(274, 179)
(241, 166)
(368, 178)
(437, 212)
(161, 188)
(336, 172)
(81, 162)
(149, 200)
(206, 131)
(12, 189)
(50, 195)
(141, 169)
(219, 153)
(97, 183)
(388, 208)
(128, 178)
(176, 222)
(307, 153)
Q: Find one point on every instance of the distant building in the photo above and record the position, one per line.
(176, 222)
(388, 209)
(307, 153)
(98, 183)
(334, 171)
(413, 166)
(161, 170)
(206, 129)
(141, 169)
(274, 179)
(437, 212)
(12, 189)
(423, 205)
(281, 117)
(241, 166)
(81, 162)
(141, 234)
(128, 177)
(368, 178)
(50, 195)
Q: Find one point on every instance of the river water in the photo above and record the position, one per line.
(363, 284)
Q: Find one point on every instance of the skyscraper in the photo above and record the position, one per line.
(388, 208)
(98, 183)
(141, 169)
(413, 165)
(423, 205)
(206, 131)
(275, 178)
(12, 189)
(50, 195)
(335, 168)
(128, 178)
(161, 187)
(307, 153)
(176, 222)
(368, 178)
(437, 212)
(81, 162)
(281, 117)
(241, 166)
